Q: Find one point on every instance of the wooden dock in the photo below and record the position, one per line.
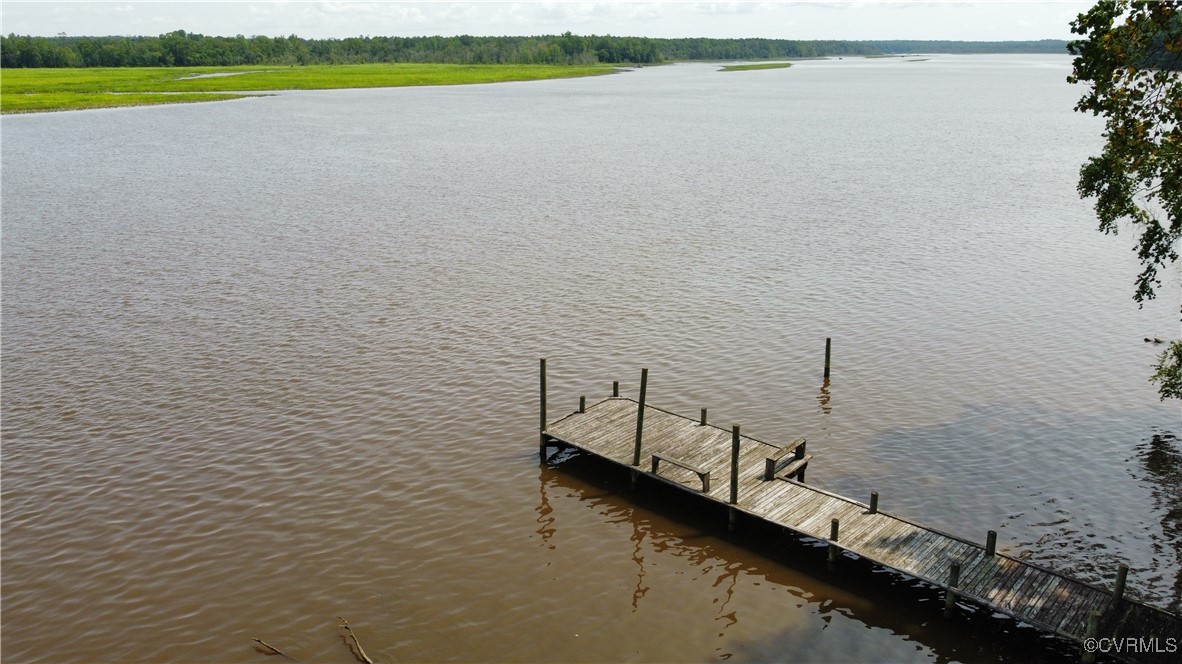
(760, 480)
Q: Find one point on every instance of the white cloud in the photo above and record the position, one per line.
(729, 7)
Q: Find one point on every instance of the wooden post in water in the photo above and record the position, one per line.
(991, 543)
(703, 420)
(953, 584)
(1089, 654)
(582, 404)
(833, 531)
(734, 474)
(640, 417)
(542, 426)
(874, 502)
(1118, 592)
(827, 347)
(615, 388)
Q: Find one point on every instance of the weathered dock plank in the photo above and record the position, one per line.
(1010, 596)
(973, 569)
(1040, 597)
(878, 524)
(921, 552)
(954, 551)
(1027, 595)
(1056, 595)
(816, 522)
(789, 504)
(890, 549)
(1024, 591)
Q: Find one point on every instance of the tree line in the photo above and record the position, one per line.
(182, 49)
(757, 49)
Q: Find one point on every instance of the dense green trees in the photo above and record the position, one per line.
(183, 49)
(1131, 55)
(757, 49)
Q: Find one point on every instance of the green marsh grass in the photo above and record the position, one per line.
(27, 90)
(76, 101)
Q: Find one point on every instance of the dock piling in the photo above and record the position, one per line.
(615, 388)
(735, 464)
(582, 404)
(542, 425)
(953, 584)
(991, 543)
(1118, 591)
(1089, 654)
(734, 474)
(833, 532)
(703, 420)
(828, 341)
(732, 514)
(874, 502)
(640, 417)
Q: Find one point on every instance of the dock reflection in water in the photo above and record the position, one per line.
(789, 606)
(1161, 456)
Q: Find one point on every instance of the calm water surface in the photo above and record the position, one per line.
(270, 362)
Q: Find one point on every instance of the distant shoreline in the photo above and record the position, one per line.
(50, 89)
(183, 49)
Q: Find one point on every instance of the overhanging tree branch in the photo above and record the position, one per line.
(1130, 55)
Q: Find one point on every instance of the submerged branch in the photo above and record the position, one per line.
(360, 653)
(273, 649)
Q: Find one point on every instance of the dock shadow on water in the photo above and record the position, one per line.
(1077, 493)
(770, 594)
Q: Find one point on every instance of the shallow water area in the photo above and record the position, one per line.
(274, 361)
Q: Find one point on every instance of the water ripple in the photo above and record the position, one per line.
(270, 364)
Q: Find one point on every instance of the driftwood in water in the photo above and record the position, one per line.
(360, 652)
(354, 647)
(273, 649)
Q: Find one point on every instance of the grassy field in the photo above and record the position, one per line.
(762, 65)
(29, 90)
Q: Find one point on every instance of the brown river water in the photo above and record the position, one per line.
(274, 361)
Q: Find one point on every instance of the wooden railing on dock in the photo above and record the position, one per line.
(766, 483)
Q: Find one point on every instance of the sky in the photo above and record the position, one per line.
(985, 20)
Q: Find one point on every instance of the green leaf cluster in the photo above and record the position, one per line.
(1131, 55)
(1168, 375)
(1131, 58)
